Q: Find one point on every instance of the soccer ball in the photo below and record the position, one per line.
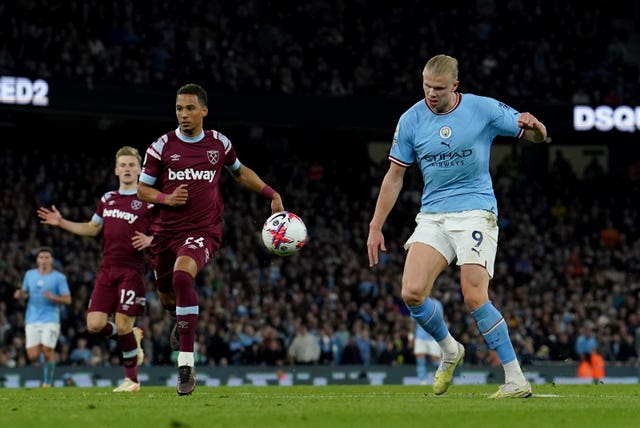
(284, 233)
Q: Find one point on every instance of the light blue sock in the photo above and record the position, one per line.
(49, 368)
(421, 367)
(429, 317)
(495, 331)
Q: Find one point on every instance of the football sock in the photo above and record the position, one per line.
(186, 309)
(495, 331)
(129, 347)
(421, 368)
(449, 346)
(49, 368)
(427, 315)
(108, 330)
(430, 318)
(513, 373)
(186, 359)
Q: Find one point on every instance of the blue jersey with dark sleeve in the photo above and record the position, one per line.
(452, 150)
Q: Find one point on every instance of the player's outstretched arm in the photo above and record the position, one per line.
(53, 217)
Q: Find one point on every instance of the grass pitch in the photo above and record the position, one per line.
(566, 406)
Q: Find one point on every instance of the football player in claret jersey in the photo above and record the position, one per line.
(181, 177)
(448, 135)
(119, 288)
(47, 289)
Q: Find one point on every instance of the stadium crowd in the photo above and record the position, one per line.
(567, 271)
(582, 54)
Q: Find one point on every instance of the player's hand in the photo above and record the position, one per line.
(48, 295)
(178, 197)
(50, 216)
(527, 121)
(375, 243)
(140, 241)
(534, 130)
(276, 204)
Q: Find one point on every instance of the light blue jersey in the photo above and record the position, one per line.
(452, 150)
(39, 308)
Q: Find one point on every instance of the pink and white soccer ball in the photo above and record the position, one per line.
(284, 233)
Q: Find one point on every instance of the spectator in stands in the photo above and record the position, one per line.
(351, 353)
(326, 342)
(272, 349)
(304, 348)
(586, 342)
(81, 354)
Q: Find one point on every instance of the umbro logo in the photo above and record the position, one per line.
(175, 157)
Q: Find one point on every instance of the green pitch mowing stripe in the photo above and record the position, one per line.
(567, 406)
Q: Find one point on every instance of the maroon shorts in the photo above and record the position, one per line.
(200, 246)
(119, 289)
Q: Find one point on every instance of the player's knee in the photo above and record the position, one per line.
(95, 327)
(412, 296)
(33, 355)
(474, 295)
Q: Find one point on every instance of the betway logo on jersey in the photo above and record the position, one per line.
(191, 174)
(116, 213)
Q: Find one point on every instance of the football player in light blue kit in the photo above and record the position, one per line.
(46, 289)
(449, 135)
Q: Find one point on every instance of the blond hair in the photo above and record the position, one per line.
(128, 151)
(442, 64)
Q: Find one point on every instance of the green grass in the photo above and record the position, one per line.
(567, 406)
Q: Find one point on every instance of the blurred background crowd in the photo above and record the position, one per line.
(520, 50)
(568, 263)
